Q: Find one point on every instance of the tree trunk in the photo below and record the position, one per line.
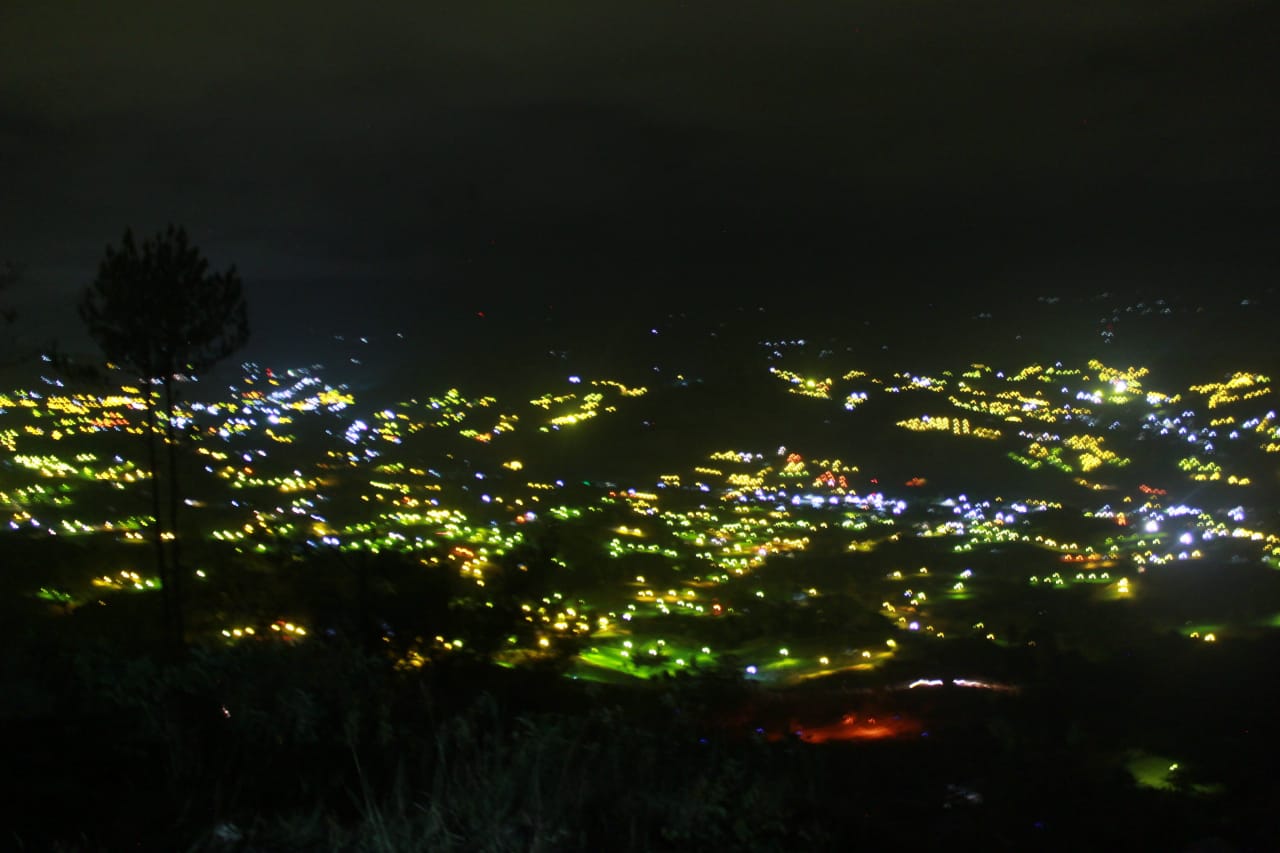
(157, 529)
(176, 573)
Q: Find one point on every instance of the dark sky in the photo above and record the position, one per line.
(501, 148)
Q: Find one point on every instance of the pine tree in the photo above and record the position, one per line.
(158, 311)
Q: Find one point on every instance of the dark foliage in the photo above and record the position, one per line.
(158, 310)
(325, 746)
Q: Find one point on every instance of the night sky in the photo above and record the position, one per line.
(478, 153)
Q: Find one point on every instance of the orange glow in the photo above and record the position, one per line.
(851, 727)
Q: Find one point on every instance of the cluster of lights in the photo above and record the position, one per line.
(715, 524)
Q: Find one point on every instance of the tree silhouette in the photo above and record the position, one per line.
(158, 311)
(8, 278)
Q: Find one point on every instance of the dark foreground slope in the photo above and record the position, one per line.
(327, 746)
